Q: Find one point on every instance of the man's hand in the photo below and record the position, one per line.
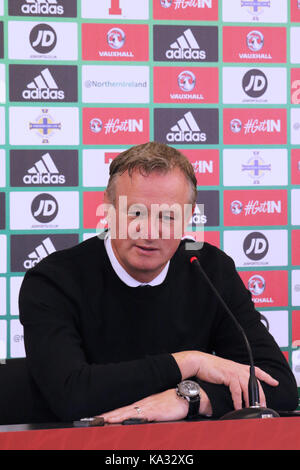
(165, 406)
(217, 370)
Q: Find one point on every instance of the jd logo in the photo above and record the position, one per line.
(255, 83)
(256, 246)
(44, 208)
(43, 38)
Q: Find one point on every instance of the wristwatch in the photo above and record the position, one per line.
(190, 391)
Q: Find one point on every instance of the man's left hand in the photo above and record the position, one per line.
(164, 406)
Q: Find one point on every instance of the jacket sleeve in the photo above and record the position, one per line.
(72, 387)
(227, 342)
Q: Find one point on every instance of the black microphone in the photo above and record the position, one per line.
(254, 410)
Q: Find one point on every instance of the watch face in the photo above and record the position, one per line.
(189, 388)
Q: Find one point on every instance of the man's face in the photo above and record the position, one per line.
(150, 233)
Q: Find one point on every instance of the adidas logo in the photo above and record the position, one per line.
(198, 218)
(44, 7)
(43, 87)
(185, 47)
(44, 171)
(186, 130)
(40, 252)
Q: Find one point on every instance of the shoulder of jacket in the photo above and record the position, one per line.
(75, 257)
(203, 250)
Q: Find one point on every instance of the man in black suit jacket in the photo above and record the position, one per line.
(100, 341)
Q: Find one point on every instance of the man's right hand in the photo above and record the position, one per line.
(214, 369)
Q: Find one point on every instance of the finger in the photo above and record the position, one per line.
(262, 398)
(115, 418)
(245, 391)
(265, 377)
(119, 418)
(120, 414)
(236, 393)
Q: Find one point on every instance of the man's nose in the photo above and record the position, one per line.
(149, 228)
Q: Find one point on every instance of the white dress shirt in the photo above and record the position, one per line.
(123, 274)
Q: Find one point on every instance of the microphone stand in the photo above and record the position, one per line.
(254, 410)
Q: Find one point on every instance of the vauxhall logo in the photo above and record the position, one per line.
(256, 284)
(43, 38)
(255, 40)
(116, 38)
(44, 208)
(186, 80)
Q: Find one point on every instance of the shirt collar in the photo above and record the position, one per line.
(123, 274)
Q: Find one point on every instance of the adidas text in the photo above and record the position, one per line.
(43, 9)
(45, 94)
(186, 136)
(44, 179)
(28, 264)
(186, 54)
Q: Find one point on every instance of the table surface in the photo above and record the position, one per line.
(262, 434)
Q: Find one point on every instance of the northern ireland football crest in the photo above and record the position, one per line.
(45, 126)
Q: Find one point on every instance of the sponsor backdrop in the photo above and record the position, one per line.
(81, 81)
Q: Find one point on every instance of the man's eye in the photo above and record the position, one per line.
(134, 213)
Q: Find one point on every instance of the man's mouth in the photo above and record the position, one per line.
(146, 249)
